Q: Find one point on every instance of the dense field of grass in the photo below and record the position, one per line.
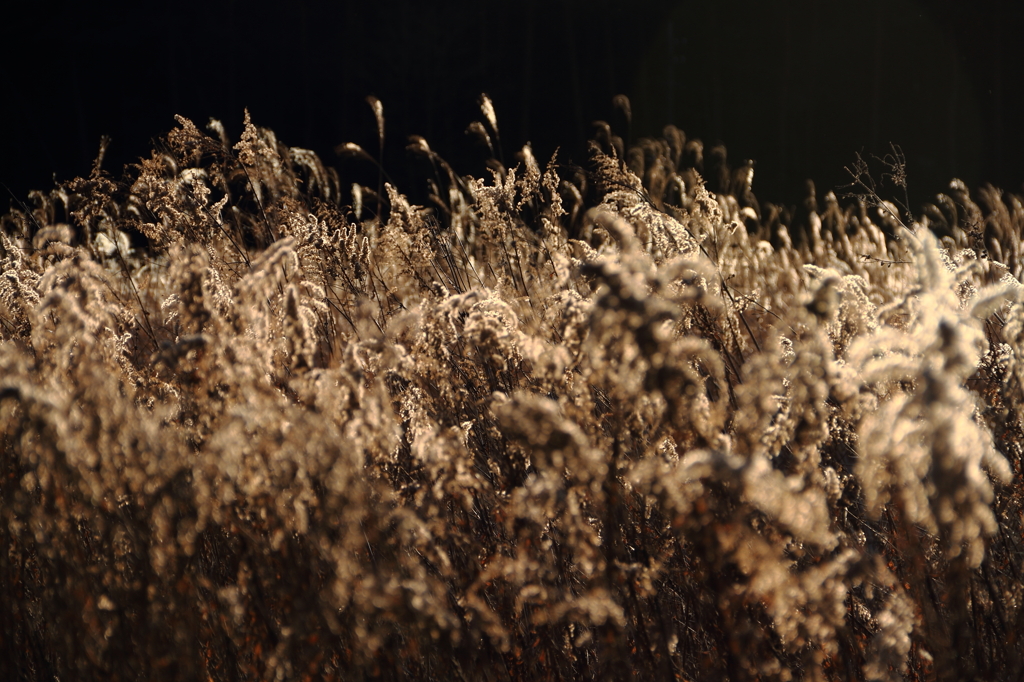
(560, 423)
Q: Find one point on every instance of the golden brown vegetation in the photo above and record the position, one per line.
(560, 425)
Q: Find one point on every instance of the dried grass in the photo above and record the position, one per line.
(552, 427)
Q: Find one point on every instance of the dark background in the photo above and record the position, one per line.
(798, 85)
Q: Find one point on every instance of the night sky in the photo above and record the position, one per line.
(799, 86)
